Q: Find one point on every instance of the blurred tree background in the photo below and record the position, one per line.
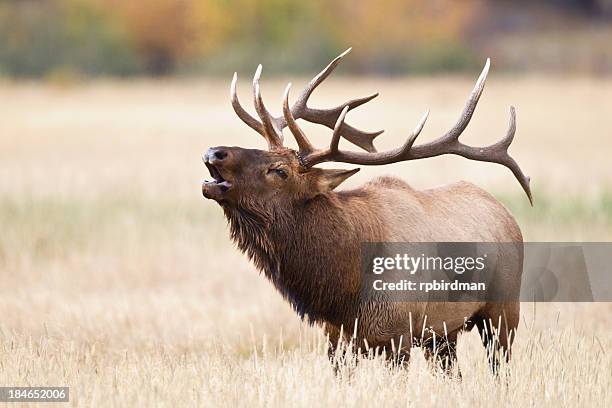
(41, 38)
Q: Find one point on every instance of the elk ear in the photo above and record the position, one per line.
(332, 178)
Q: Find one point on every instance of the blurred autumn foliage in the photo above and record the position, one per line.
(161, 37)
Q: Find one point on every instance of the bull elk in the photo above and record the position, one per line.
(285, 214)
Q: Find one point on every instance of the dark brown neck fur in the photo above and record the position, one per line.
(310, 251)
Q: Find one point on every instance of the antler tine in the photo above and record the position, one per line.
(335, 140)
(241, 112)
(272, 135)
(328, 117)
(447, 144)
(470, 105)
(504, 144)
(415, 133)
(318, 79)
(301, 139)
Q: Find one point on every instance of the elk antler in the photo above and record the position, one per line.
(447, 144)
(271, 127)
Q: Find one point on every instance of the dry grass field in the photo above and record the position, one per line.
(119, 280)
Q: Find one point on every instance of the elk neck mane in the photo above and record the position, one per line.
(300, 250)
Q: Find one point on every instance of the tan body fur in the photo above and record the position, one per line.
(389, 210)
(403, 214)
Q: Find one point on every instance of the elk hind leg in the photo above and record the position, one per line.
(497, 325)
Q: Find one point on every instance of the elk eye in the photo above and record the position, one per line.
(280, 173)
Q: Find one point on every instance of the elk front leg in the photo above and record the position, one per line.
(336, 352)
(444, 354)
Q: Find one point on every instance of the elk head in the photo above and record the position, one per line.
(247, 177)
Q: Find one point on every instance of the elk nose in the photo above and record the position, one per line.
(215, 154)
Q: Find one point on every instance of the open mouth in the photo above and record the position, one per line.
(218, 179)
